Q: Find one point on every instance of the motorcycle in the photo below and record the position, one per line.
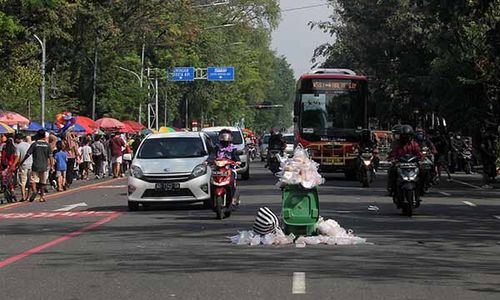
(223, 182)
(252, 151)
(366, 167)
(465, 156)
(426, 171)
(273, 161)
(406, 195)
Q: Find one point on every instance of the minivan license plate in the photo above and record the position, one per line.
(167, 186)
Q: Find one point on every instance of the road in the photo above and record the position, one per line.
(448, 250)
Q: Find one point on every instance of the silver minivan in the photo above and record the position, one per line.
(170, 167)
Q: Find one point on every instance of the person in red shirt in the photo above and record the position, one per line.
(406, 145)
(8, 165)
(116, 144)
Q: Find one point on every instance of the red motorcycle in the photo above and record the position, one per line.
(224, 187)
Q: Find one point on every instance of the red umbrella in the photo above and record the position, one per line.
(12, 118)
(110, 124)
(128, 129)
(135, 126)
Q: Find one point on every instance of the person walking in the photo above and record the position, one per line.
(116, 145)
(98, 156)
(8, 166)
(61, 166)
(42, 160)
(23, 170)
(72, 149)
(86, 153)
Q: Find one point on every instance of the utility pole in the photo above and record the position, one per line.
(42, 88)
(157, 116)
(94, 83)
(141, 80)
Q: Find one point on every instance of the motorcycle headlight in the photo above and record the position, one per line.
(136, 171)
(367, 162)
(199, 170)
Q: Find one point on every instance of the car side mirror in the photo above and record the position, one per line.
(204, 153)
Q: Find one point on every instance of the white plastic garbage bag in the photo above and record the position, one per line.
(299, 169)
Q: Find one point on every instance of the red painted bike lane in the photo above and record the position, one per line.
(24, 233)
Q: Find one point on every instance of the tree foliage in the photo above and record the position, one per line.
(173, 33)
(421, 56)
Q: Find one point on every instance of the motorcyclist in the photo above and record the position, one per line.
(226, 149)
(487, 152)
(405, 145)
(367, 141)
(425, 143)
(276, 142)
(457, 145)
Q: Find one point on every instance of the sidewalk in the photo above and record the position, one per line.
(473, 181)
(52, 192)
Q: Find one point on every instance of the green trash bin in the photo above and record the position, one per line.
(300, 211)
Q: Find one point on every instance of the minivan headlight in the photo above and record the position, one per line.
(199, 170)
(136, 171)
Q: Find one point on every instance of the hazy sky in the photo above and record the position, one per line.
(294, 39)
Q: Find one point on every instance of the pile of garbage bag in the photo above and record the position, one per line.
(329, 233)
(299, 169)
(251, 238)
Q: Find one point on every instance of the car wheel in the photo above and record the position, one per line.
(133, 206)
(246, 175)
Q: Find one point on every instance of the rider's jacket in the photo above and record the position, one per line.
(410, 148)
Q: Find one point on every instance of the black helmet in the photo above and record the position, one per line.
(406, 133)
(274, 131)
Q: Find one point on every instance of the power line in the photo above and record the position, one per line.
(304, 7)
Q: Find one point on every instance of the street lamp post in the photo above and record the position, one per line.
(42, 88)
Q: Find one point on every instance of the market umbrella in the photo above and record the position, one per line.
(109, 124)
(4, 128)
(12, 118)
(87, 123)
(128, 129)
(136, 126)
(78, 128)
(34, 126)
(164, 129)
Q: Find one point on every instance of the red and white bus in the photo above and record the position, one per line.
(331, 107)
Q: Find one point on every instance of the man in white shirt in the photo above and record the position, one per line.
(25, 169)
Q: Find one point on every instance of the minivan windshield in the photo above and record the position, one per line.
(289, 139)
(171, 148)
(214, 136)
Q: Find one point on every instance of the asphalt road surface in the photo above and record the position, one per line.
(96, 249)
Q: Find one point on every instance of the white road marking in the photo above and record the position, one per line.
(342, 211)
(299, 283)
(72, 206)
(467, 184)
(497, 217)
(469, 203)
(445, 194)
(110, 187)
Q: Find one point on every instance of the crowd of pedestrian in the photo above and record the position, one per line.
(44, 161)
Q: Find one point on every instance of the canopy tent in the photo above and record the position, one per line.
(34, 126)
(135, 126)
(13, 118)
(110, 124)
(4, 128)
